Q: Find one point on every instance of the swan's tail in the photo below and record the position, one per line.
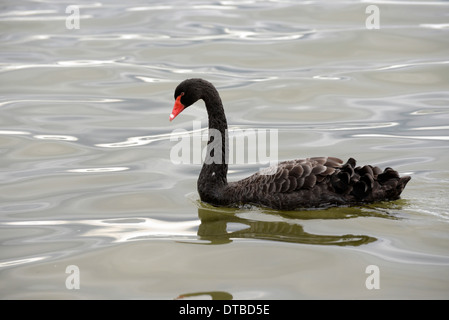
(392, 183)
(401, 184)
(368, 183)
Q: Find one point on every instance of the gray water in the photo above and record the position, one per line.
(86, 174)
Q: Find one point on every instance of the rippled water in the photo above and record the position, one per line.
(86, 174)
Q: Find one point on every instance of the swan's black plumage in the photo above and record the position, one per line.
(311, 182)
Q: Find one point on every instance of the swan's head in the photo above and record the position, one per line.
(187, 93)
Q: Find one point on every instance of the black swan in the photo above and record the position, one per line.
(294, 184)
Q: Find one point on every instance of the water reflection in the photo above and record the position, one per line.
(56, 137)
(98, 170)
(215, 226)
(377, 135)
(221, 226)
(214, 295)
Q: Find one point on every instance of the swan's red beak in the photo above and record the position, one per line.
(177, 109)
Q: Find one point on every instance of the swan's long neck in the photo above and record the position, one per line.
(215, 168)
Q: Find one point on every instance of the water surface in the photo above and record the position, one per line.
(86, 174)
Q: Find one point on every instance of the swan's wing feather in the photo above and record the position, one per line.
(294, 175)
(326, 175)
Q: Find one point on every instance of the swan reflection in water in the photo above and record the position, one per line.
(222, 225)
(211, 295)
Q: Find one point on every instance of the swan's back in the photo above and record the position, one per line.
(314, 182)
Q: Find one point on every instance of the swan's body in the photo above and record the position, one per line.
(312, 182)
